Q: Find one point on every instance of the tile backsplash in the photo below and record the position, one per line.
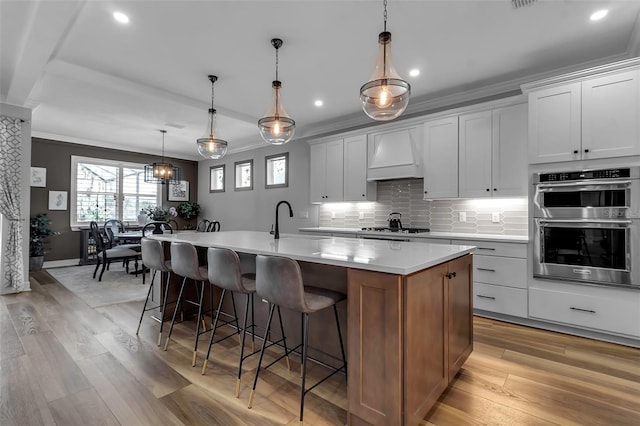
(405, 196)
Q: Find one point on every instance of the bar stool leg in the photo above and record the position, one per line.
(175, 312)
(144, 308)
(284, 341)
(244, 335)
(235, 314)
(200, 318)
(164, 307)
(214, 327)
(344, 358)
(264, 344)
(305, 342)
(253, 321)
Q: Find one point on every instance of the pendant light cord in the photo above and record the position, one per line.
(163, 132)
(211, 111)
(278, 88)
(385, 15)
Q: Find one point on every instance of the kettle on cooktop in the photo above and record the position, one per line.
(394, 220)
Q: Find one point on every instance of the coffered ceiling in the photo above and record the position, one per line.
(92, 80)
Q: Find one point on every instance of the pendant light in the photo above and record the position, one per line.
(161, 172)
(209, 146)
(276, 127)
(385, 96)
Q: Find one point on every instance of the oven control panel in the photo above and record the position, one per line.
(586, 175)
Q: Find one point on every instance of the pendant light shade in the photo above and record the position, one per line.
(385, 96)
(161, 172)
(276, 127)
(209, 146)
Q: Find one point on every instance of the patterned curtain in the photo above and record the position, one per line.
(10, 185)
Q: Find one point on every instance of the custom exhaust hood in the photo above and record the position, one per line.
(395, 155)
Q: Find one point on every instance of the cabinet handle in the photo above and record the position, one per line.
(586, 150)
(486, 248)
(495, 189)
(485, 269)
(363, 195)
(488, 190)
(575, 151)
(426, 192)
(482, 296)
(589, 311)
(451, 275)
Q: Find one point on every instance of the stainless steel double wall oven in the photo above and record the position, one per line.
(587, 226)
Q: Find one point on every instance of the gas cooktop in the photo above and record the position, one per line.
(398, 230)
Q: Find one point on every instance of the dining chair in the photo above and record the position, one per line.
(202, 225)
(214, 226)
(105, 254)
(112, 229)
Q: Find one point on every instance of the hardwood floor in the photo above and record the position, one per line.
(64, 363)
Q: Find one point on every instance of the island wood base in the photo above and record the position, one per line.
(408, 337)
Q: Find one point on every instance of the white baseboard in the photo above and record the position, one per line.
(60, 263)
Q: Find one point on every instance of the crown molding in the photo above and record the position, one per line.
(610, 67)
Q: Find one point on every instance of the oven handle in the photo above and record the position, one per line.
(603, 221)
(547, 186)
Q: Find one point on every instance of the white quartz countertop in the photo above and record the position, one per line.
(441, 235)
(393, 257)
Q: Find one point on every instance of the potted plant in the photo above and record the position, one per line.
(188, 210)
(39, 233)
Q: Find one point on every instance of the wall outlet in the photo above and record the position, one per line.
(495, 217)
(361, 215)
(333, 215)
(304, 214)
(462, 216)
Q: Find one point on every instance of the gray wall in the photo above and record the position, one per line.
(55, 156)
(255, 209)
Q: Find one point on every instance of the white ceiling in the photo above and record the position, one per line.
(92, 80)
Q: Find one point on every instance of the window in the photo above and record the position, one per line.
(277, 170)
(216, 179)
(106, 189)
(244, 175)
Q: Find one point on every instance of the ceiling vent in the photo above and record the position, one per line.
(521, 3)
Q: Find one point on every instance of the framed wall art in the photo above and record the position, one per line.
(38, 177)
(178, 191)
(57, 200)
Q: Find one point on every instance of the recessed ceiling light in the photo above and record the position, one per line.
(596, 16)
(121, 17)
(318, 103)
(414, 72)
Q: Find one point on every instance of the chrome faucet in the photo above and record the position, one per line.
(277, 233)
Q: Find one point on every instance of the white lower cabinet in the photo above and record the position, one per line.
(499, 277)
(500, 299)
(607, 309)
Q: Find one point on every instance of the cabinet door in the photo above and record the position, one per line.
(356, 187)
(554, 124)
(335, 169)
(459, 315)
(318, 173)
(610, 115)
(509, 165)
(326, 170)
(441, 158)
(475, 155)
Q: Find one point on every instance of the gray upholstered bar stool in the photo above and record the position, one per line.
(153, 258)
(225, 272)
(279, 281)
(184, 262)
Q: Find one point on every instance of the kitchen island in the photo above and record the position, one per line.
(409, 313)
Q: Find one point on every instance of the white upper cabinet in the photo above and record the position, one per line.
(509, 163)
(475, 155)
(356, 187)
(440, 158)
(593, 117)
(326, 176)
(611, 115)
(554, 124)
(492, 153)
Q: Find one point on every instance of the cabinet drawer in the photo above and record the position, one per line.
(490, 248)
(506, 271)
(503, 300)
(614, 310)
